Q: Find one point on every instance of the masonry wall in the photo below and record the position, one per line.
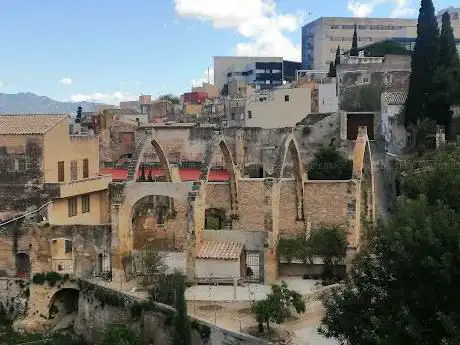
(218, 196)
(14, 296)
(326, 202)
(287, 223)
(251, 200)
(88, 241)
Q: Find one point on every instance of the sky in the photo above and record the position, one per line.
(114, 50)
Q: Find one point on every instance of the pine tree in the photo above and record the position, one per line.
(182, 334)
(337, 57)
(444, 82)
(425, 58)
(354, 44)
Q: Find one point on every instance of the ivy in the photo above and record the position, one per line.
(51, 277)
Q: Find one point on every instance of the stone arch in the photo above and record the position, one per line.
(218, 141)
(363, 170)
(289, 144)
(161, 156)
(132, 194)
(64, 301)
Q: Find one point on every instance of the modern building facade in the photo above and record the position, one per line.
(321, 37)
(259, 72)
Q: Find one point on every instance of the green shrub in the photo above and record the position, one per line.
(38, 278)
(52, 278)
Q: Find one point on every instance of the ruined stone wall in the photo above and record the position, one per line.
(14, 296)
(287, 223)
(251, 201)
(21, 161)
(156, 326)
(327, 202)
(88, 241)
(218, 196)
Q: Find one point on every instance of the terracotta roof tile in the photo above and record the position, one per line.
(395, 98)
(220, 250)
(29, 123)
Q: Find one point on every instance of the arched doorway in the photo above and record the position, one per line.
(22, 265)
(63, 302)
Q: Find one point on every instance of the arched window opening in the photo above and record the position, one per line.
(214, 219)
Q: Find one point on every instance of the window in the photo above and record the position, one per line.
(388, 78)
(233, 116)
(73, 170)
(21, 164)
(249, 114)
(365, 79)
(85, 203)
(267, 82)
(72, 203)
(61, 171)
(276, 71)
(85, 168)
(286, 98)
(68, 246)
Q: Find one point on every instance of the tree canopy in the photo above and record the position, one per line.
(384, 48)
(402, 288)
(329, 164)
(169, 97)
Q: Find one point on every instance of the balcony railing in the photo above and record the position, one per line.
(63, 265)
(78, 187)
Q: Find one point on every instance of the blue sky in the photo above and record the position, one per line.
(111, 50)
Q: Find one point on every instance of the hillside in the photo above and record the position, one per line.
(31, 103)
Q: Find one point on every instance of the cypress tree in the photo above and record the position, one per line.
(444, 80)
(182, 330)
(337, 57)
(448, 55)
(425, 58)
(354, 44)
(331, 72)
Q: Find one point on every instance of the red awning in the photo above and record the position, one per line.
(186, 174)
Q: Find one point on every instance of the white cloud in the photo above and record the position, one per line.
(113, 98)
(258, 21)
(65, 81)
(204, 79)
(359, 8)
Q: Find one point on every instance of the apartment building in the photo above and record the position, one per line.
(321, 37)
(276, 108)
(38, 153)
(259, 72)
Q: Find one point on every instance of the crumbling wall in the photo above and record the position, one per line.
(88, 241)
(20, 173)
(14, 296)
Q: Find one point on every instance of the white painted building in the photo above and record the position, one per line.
(277, 108)
(328, 101)
(220, 260)
(394, 132)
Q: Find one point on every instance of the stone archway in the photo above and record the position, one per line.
(215, 143)
(133, 169)
(63, 302)
(363, 171)
(289, 145)
(22, 265)
(122, 237)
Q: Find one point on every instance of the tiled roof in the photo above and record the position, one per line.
(29, 123)
(395, 98)
(220, 250)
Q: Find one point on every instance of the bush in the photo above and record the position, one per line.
(52, 278)
(329, 164)
(38, 278)
(121, 335)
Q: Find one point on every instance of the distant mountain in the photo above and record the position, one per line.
(31, 103)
